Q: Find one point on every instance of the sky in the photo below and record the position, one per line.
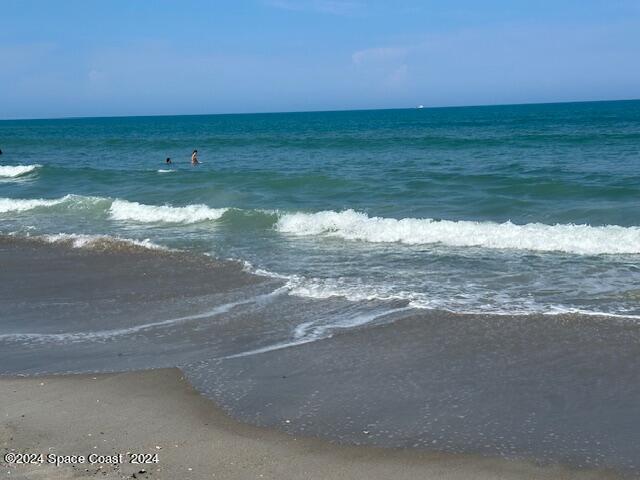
(142, 57)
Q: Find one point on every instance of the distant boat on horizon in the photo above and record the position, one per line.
(420, 106)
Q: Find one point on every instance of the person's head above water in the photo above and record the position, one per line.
(195, 151)
(168, 160)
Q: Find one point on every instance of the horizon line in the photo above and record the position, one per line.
(426, 107)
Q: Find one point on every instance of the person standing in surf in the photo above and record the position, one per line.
(194, 158)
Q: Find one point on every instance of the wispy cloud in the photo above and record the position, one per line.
(332, 7)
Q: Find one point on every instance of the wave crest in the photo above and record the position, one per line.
(21, 205)
(124, 210)
(569, 238)
(99, 242)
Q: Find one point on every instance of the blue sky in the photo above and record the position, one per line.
(135, 57)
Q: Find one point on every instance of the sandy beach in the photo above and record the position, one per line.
(158, 412)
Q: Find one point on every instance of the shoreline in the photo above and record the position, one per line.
(159, 412)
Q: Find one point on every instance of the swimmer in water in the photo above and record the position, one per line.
(194, 158)
(168, 161)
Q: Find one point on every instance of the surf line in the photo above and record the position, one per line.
(107, 334)
(322, 332)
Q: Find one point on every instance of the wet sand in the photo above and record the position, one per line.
(158, 412)
(555, 389)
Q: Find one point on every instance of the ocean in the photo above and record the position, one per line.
(444, 277)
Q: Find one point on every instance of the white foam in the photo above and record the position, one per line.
(163, 170)
(138, 212)
(21, 205)
(469, 304)
(569, 238)
(464, 302)
(9, 171)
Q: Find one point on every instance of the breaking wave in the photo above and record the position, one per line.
(357, 226)
(138, 212)
(568, 238)
(21, 205)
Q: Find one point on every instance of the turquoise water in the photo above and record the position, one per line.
(506, 209)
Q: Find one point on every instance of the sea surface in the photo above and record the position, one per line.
(490, 254)
(508, 209)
